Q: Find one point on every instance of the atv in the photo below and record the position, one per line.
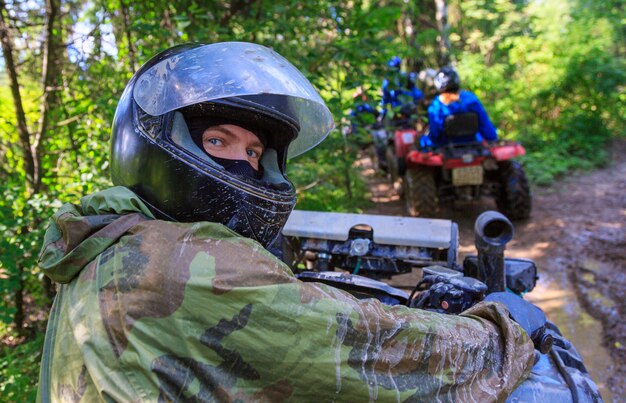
(465, 171)
(352, 251)
(402, 130)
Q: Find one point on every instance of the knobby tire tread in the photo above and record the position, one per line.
(514, 199)
(420, 193)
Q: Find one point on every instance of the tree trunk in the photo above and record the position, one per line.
(49, 289)
(132, 57)
(441, 15)
(18, 318)
(406, 30)
(22, 129)
(49, 77)
(235, 8)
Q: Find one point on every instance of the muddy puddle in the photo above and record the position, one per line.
(561, 306)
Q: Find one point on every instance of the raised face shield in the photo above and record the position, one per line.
(234, 69)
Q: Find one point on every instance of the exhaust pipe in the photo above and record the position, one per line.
(492, 231)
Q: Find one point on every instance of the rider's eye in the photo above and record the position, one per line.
(214, 141)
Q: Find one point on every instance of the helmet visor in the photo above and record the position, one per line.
(234, 69)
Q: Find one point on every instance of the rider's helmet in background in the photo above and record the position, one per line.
(167, 104)
(394, 63)
(447, 80)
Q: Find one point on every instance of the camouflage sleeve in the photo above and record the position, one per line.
(180, 311)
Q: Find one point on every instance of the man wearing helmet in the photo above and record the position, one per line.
(166, 291)
(399, 90)
(451, 101)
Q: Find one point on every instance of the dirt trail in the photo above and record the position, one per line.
(577, 237)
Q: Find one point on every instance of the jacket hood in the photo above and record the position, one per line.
(78, 233)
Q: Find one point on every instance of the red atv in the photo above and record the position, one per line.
(466, 171)
(403, 129)
(400, 143)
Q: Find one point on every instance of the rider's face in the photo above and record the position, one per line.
(233, 143)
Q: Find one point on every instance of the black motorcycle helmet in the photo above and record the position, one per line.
(154, 153)
(447, 80)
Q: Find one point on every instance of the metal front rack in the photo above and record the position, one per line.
(373, 245)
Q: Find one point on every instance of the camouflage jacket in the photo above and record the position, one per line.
(152, 310)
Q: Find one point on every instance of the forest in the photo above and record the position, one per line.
(551, 73)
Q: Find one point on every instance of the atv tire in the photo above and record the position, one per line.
(513, 199)
(378, 164)
(420, 192)
(392, 164)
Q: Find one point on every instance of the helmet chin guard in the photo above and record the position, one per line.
(153, 154)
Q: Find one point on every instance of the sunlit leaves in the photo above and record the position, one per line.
(552, 79)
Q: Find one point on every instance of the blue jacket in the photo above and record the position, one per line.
(363, 108)
(399, 90)
(394, 96)
(468, 102)
(363, 114)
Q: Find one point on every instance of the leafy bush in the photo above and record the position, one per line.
(327, 180)
(19, 371)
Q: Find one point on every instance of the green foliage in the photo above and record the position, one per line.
(19, 371)
(22, 228)
(321, 182)
(550, 75)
